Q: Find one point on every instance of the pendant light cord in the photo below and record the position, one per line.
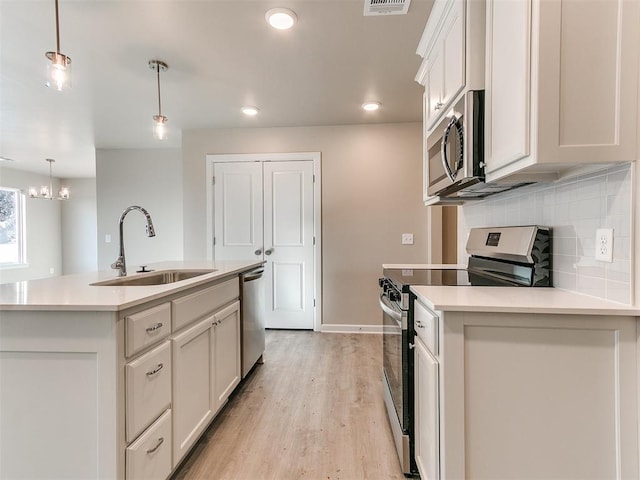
(159, 102)
(50, 174)
(57, 30)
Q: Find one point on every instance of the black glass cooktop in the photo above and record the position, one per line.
(403, 278)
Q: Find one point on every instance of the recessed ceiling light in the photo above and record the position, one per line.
(371, 106)
(281, 18)
(250, 111)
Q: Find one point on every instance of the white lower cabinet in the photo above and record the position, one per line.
(206, 369)
(192, 373)
(226, 354)
(149, 457)
(192, 385)
(525, 395)
(426, 413)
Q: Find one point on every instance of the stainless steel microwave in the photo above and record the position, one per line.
(455, 149)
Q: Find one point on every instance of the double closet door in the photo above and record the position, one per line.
(264, 210)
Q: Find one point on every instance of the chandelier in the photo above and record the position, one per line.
(46, 191)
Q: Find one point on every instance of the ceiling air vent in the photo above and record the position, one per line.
(386, 7)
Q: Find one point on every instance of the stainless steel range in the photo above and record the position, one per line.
(501, 256)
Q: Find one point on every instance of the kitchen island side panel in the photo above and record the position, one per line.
(59, 384)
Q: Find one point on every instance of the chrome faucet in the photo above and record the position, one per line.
(120, 264)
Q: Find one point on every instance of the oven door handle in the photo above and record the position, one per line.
(389, 310)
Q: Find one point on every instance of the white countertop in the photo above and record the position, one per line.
(517, 300)
(74, 292)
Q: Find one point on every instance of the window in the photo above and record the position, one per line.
(12, 249)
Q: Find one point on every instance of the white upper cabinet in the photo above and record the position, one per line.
(561, 85)
(451, 47)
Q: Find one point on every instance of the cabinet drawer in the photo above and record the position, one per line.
(148, 393)
(426, 326)
(191, 307)
(149, 457)
(147, 327)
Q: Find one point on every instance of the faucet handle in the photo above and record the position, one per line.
(120, 266)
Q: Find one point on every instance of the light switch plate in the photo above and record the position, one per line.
(407, 239)
(604, 245)
(107, 238)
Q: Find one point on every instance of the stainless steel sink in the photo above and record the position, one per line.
(161, 277)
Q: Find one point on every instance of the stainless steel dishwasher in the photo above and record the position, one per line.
(253, 342)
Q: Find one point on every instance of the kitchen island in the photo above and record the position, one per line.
(524, 382)
(109, 381)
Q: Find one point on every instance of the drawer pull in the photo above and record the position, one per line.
(155, 370)
(153, 450)
(155, 327)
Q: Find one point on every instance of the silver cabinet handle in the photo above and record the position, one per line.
(155, 327)
(438, 106)
(268, 252)
(411, 346)
(258, 252)
(155, 370)
(153, 450)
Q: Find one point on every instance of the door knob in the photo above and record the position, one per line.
(268, 252)
(258, 252)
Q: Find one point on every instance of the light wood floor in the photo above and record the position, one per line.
(313, 410)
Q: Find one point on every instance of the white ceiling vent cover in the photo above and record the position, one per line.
(386, 7)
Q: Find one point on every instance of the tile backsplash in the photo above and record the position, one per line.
(574, 208)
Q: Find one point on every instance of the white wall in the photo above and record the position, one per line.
(43, 231)
(574, 208)
(79, 227)
(371, 194)
(152, 179)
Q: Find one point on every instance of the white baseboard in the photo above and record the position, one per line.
(338, 328)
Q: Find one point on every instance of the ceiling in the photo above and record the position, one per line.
(221, 55)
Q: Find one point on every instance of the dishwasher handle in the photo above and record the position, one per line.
(252, 275)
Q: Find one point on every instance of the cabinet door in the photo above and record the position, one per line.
(433, 87)
(192, 385)
(425, 150)
(507, 83)
(587, 84)
(453, 59)
(226, 353)
(427, 433)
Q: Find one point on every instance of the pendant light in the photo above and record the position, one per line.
(159, 125)
(59, 66)
(46, 191)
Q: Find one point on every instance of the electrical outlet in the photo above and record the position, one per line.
(604, 245)
(407, 239)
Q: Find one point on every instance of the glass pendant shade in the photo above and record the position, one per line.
(160, 127)
(58, 71)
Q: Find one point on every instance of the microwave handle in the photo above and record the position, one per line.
(443, 148)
